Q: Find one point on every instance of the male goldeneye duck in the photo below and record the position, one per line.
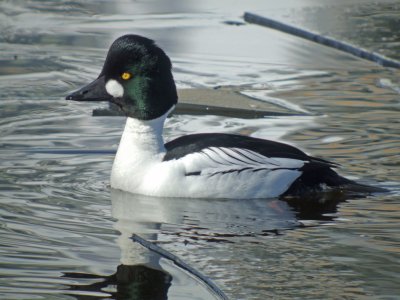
(137, 77)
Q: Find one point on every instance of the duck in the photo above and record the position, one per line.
(137, 78)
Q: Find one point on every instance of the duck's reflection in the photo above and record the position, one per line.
(128, 282)
(142, 275)
(208, 219)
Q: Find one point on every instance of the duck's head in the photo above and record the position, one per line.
(136, 76)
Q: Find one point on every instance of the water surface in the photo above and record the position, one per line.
(65, 235)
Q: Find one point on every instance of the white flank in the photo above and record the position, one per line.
(239, 173)
(114, 88)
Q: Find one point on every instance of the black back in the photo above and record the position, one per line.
(196, 142)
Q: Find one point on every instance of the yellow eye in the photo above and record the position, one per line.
(126, 76)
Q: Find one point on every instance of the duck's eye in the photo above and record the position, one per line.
(126, 75)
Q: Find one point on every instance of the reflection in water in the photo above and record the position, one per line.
(145, 215)
(320, 206)
(149, 216)
(129, 282)
(143, 275)
(55, 206)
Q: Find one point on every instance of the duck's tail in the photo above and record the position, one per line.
(326, 178)
(355, 187)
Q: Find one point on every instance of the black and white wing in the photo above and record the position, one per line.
(281, 167)
(224, 150)
(212, 161)
(229, 157)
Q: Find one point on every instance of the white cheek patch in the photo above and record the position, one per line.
(114, 88)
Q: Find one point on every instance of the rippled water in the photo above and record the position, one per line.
(65, 235)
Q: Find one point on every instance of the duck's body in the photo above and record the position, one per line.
(137, 78)
(214, 165)
(192, 167)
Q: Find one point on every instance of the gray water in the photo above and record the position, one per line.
(64, 234)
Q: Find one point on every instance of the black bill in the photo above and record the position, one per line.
(94, 91)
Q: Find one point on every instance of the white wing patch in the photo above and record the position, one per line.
(221, 160)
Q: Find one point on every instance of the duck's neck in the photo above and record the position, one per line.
(142, 138)
(141, 148)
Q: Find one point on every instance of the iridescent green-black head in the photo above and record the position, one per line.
(136, 76)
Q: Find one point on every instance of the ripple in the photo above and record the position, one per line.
(64, 234)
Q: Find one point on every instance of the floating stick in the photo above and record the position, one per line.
(320, 39)
(177, 261)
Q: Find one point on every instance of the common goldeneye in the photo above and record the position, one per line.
(137, 77)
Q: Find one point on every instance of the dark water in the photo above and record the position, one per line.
(65, 235)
